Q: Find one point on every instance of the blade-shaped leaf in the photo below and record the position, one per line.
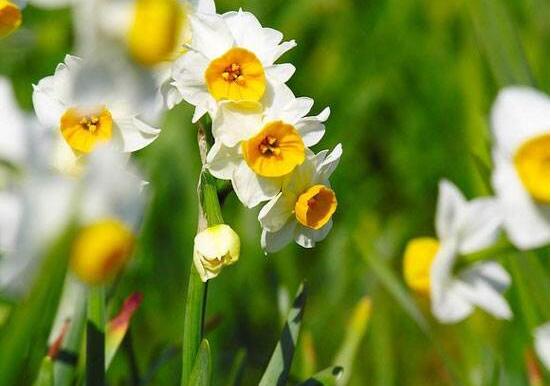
(237, 368)
(201, 372)
(46, 373)
(279, 366)
(328, 377)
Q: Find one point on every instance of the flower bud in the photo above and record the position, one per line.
(214, 248)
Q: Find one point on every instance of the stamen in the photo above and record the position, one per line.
(232, 73)
(269, 146)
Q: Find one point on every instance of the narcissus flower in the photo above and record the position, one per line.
(541, 340)
(462, 227)
(520, 124)
(256, 148)
(231, 57)
(91, 103)
(304, 208)
(10, 16)
(214, 248)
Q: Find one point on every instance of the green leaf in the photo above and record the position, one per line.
(31, 321)
(355, 332)
(279, 366)
(95, 337)
(328, 377)
(201, 372)
(46, 373)
(237, 368)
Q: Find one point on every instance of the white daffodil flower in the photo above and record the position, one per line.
(214, 248)
(231, 57)
(520, 124)
(256, 148)
(303, 210)
(108, 202)
(87, 103)
(541, 343)
(462, 227)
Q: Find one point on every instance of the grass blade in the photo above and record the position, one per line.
(95, 337)
(46, 373)
(279, 366)
(237, 368)
(328, 377)
(201, 372)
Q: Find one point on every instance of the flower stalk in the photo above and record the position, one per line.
(95, 337)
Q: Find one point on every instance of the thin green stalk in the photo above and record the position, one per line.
(95, 337)
(210, 214)
(65, 362)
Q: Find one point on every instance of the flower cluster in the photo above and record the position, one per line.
(520, 180)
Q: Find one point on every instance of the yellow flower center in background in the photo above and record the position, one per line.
(315, 206)
(236, 75)
(418, 259)
(156, 30)
(532, 164)
(10, 17)
(83, 130)
(101, 250)
(275, 151)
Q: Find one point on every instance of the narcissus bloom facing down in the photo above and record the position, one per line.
(214, 248)
(257, 147)
(462, 227)
(303, 210)
(86, 104)
(520, 124)
(541, 342)
(231, 57)
(10, 17)
(101, 250)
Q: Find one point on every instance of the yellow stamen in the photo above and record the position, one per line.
(275, 151)
(532, 164)
(236, 75)
(315, 207)
(418, 258)
(84, 130)
(156, 31)
(10, 17)
(101, 250)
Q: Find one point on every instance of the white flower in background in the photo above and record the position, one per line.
(89, 103)
(214, 248)
(541, 343)
(303, 210)
(462, 227)
(256, 148)
(108, 202)
(520, 124)
(231, 57)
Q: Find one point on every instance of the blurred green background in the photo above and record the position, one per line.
(410, 84)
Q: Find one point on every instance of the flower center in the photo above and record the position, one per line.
(315, 207)
(275, 151)
(156, 30)
(84, 129)
(10, 17)
(418, 258)
(532, 165)
(237, 75)
(100, 250)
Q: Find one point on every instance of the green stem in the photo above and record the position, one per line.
(95, 337)
(65, 364)
(501, 249)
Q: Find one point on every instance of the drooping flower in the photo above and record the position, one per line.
(462, 227)
(231, 58)
(304, 208)
(214, 248)
(88, 103)
(256, 148)
(520, 124)
(541, 343)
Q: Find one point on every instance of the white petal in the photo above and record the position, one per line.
(273, 242)
(327, 166)
(222, 161)
(47, 106)
(210, 35)
(236, 122)
(526, 223)
(252, 189)
(450, 206)
(519, 113)
(541, 336)
(12, 126)
(204, 6)
(275, 213)
(480, 222)
(312, 129)
(280, 73)
(10, 216)
(135, 133)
